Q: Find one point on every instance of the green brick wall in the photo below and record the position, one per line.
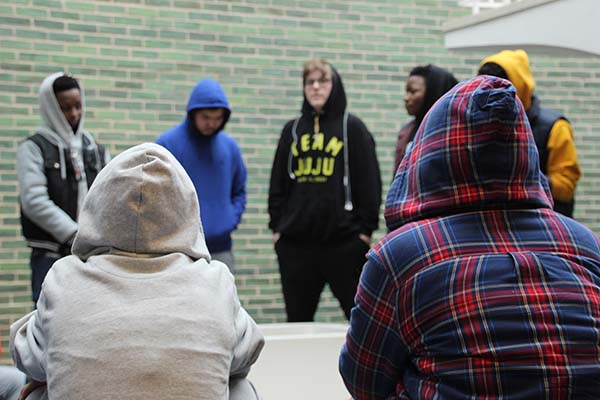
(138, 60)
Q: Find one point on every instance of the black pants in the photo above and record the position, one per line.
(40, 262)
(306, 267)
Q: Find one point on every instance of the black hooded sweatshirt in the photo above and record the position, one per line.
(437, 83)
(308, 200)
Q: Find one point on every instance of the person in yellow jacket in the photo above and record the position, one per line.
(552, 131)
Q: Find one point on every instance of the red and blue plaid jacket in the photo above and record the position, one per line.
(480, 290)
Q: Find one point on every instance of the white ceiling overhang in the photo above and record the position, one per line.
(548, 26)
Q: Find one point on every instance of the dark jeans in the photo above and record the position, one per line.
(305, 268)
(40, 262)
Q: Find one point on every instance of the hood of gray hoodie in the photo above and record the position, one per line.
(53, 117)
(142, 203)
(56, 130)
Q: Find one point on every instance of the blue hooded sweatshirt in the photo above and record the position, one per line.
(214, 164)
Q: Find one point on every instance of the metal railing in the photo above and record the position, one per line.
(477, 5)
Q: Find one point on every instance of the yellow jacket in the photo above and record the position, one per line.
(562, 168)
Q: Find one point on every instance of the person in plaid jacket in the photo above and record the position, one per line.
(480, 290)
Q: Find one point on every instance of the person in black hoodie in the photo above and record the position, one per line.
(425, 85)
(324, 196)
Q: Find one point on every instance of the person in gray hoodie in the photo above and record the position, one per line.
(139, 310)
(55, 167)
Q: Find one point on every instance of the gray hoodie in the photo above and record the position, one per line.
(139, 311)
(33, 191)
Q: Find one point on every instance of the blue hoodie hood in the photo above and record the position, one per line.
(208, 93)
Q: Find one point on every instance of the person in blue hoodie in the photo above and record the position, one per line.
(214, 162)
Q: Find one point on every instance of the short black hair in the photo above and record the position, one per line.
(492, 69)
(64, 83)
(421, 70)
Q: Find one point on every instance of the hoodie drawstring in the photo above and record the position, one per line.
(294, 143)
(316, 127)
(92, 143)
(63, 163)
(348, 206)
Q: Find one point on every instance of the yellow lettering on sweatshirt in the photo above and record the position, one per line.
(328, 164)
(317, 179)
(320, 166)
(318, 141)
(317, 169)
(307, 166)
(334, 146)
(305, 142)
(304, 166)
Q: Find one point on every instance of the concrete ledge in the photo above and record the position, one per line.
(300, 361)
(563, 27)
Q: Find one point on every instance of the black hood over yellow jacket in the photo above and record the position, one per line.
(325, 182)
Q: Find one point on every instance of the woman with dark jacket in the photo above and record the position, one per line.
(425, 85)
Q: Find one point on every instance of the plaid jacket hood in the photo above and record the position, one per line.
(474, 151)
